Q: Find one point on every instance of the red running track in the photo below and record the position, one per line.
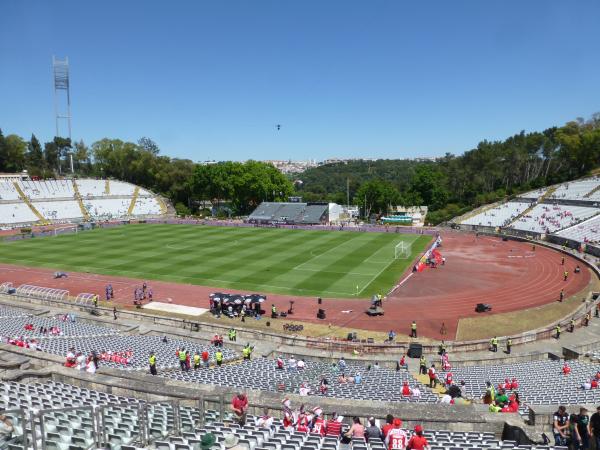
(507, 275)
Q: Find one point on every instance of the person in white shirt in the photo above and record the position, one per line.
(90, 366)
(300, 364)
(416, 392)
(446, 399)
(264, 421)
(304, 389)
(292, 363)
(80, 361)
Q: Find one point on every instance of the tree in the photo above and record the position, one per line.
(244, 185)
(51, 155)
(82, 158)
(34, 159)
(148, 145)
(3, 153)
(63, 148)
(13, 148)
(376, 197)
(428, 184)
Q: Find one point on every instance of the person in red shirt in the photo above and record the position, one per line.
(449, 379)
(288, 415)
(239, 406)
(389, 424)
(566, 369)
(403, 364)
(396, 438)
(302, 421)
(205, 358)
(594, 383)
(514, 383)
(318, 424)
(333, 426)
(417, 440)
(405, 389)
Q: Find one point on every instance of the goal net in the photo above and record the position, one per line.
(402, 251)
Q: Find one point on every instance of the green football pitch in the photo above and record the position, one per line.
(265, 260)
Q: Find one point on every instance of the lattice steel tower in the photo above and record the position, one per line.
(62, 96)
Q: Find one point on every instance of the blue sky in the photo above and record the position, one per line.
(391, 79)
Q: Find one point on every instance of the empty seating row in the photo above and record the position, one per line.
(498, 216)
(540, 382)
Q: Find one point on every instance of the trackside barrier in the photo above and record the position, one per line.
(5, 287)
(43, 293)
(85, 299)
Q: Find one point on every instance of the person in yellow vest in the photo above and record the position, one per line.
(508, 345)
(566, 275)
(273, 312)
(196, 360)
(182, 358)
(557, 330)
(442, 348)
(423, 366)
(586, 319)
(246, 353)
(152, 363)
(232, 335)
(413, 329)
(494, 344)
(219, 357)
(572, 325)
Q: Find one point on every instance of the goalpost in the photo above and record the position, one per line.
(402, 250)
(65, 229)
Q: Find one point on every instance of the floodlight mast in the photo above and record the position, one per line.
(62, 99)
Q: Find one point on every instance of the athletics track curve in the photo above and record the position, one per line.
(506, 274)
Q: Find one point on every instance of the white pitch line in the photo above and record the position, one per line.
(320, 254)
(339, 273)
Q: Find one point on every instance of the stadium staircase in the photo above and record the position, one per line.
(106, 188)
(548, 193)
(84, 211)
(162, 205)
(28, 203)
(136, 192)
(592, 192)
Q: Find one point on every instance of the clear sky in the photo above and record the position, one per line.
(211, 80)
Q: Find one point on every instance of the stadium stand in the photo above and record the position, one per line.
(107, 208)
(498, 216)
(376, 384)
(28, 202)
(59, 210)
(535, 194)
(14, 213)
(146, 206)
(312, 214)
(546, 218)
(16, 326)
(540, 382)
(140, 346)
(291, 213)
(575, 190)
(588, 231)
(8, 191)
